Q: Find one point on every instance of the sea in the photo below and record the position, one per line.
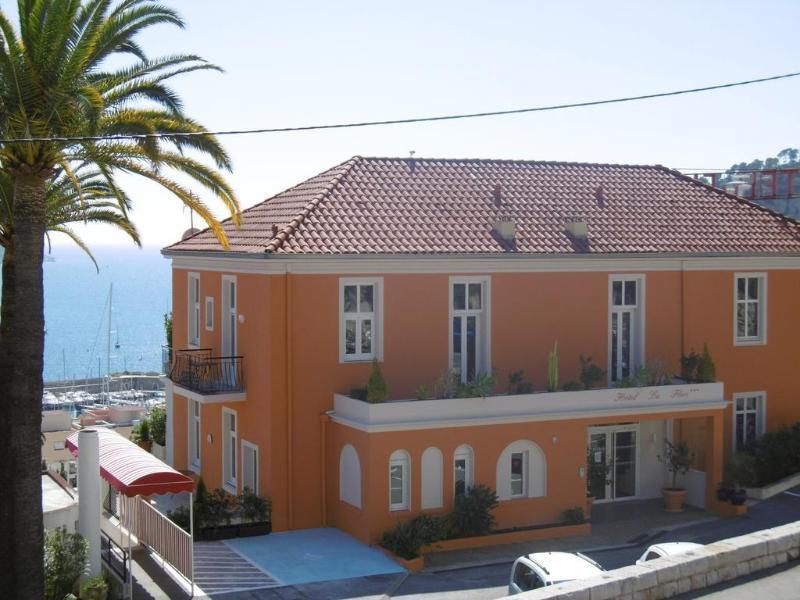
(76, 305)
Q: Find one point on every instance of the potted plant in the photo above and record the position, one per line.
(140, 435)
(678, 459)
(741, 472)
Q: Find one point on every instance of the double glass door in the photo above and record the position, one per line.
(612, 456)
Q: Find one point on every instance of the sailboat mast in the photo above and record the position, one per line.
(108, 345)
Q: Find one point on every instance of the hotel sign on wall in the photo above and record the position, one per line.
(654, 394)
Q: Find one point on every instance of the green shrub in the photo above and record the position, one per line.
(141, 432)
(591, 375)
(573, 386)
(706, 369)
(158, 426)
(472, 513)
(254, 508)
(445, 385)
(698, 368)
(64, 562)
(407, 537)
(573, 516)
(359, 393)
(422, 393)
(94, 588)
(740, 470)
(180, 516)
(480, 387)
(377, 391)
(212, 509)
(777, 454)
(517, 383)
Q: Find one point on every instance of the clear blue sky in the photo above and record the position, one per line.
(294, 63)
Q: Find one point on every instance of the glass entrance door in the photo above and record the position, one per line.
(612, 472)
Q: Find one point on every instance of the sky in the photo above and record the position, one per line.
(297, 63)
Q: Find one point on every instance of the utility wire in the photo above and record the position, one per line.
(496, 113)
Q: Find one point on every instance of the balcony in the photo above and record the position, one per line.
(208, 379)
(399, 415)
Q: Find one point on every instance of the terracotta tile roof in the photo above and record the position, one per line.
(431, 206)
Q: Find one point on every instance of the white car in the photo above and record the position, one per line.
(666, 549)
(541, 569)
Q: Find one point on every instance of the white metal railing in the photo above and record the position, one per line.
(164, 537)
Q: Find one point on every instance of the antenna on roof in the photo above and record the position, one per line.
(412, 164)
(498, 195)
(599, 196)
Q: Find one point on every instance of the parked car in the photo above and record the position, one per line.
(666, 549)
(541, 569)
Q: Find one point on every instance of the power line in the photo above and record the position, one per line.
(495, 113)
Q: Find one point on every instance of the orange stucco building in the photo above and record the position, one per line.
(449, 269)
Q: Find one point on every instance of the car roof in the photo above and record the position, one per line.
(672, 548)
(560, 566)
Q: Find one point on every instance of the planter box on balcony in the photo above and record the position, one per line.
(400, 415)
(227, 532)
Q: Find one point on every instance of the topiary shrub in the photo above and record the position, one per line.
(158, 426)
(591, 375)
(740, 470)
(706, 369)
(377, 391)
(472, 513)
(407, 537)
(64, 562)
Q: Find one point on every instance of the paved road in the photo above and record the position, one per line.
(778, 510)
(490, 582)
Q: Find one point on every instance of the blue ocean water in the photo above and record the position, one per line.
(76, 305)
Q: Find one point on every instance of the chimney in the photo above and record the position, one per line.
(498, 195)
(599, 196)
(505, 228)
(576, 227)
(412, 164)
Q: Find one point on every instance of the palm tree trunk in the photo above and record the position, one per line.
(21, 364)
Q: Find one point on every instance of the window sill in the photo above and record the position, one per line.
(396, 509)
(194, 468)
(229, 487)
(357, 361)
(746, 342)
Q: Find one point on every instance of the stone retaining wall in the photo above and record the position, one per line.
(694, 570)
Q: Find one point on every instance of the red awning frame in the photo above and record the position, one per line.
(131, 470)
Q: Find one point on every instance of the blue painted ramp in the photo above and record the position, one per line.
(309, 555)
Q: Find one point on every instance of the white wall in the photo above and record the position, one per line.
(432, 475)
(652, 472)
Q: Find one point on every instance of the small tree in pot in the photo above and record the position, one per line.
(740, 471)
(679, 460)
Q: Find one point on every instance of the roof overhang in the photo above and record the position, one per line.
(132, 470)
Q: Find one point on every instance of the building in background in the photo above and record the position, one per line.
(446, 272)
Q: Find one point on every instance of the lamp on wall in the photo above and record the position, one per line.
(210, 438)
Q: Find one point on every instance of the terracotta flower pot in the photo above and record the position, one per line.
(673, 499)
(145, 445)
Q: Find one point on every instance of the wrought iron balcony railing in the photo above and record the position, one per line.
(198, 371)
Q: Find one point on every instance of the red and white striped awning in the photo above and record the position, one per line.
(132, 470)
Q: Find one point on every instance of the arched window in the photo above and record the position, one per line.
(399, 476)
(521, 471)
(350, 476)
(463, 469)
(432, 474)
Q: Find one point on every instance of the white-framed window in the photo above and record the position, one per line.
(229, 451)
(209, 313)
(229, 316)
(521, 471)
(750, 314)
(194, 310)
(626, 325)
(250, 466)
(360, 319)
(470, 334)
(749, 418)
(194, 435)
(399, 475)
(463, 470)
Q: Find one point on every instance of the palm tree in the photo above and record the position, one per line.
(74, 69)
(94, 201)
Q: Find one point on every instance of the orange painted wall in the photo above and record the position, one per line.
(292, 364)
